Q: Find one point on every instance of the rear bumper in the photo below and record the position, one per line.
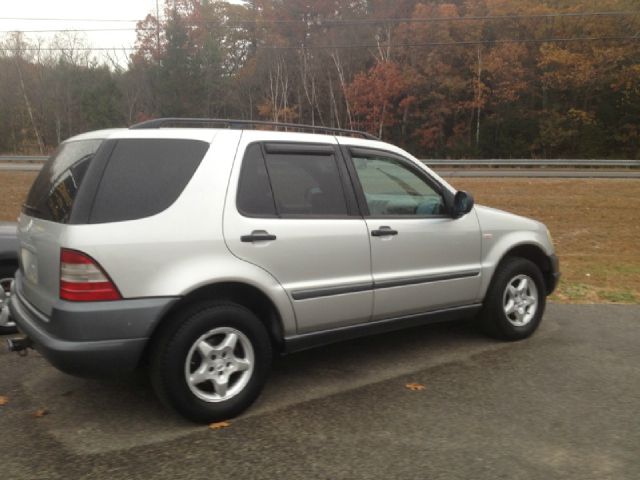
(90, 339)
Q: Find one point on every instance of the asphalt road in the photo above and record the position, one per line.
(564, 404)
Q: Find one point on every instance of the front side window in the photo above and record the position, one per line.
(392, 188)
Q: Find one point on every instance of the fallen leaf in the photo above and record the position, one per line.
(414, 387)
(41, 412)
(219, 425)
(3, 400)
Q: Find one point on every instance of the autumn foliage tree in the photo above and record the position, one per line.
(452, 78)
(380, 97)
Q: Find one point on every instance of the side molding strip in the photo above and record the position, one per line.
(424, 279)
(363, 287)
(328, 291)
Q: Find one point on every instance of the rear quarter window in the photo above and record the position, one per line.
(143, 177)
(53, 193)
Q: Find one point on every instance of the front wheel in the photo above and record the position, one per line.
(212, 362)
(515, 300)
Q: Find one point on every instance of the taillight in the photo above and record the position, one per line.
(83, 280)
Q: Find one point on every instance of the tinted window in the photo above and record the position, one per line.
(393, 188)
(54, 191)
(254, 192)
(306, 184)
(144, 177)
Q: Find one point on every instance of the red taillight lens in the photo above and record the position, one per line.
(83, 280)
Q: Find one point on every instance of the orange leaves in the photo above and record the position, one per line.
(415, 387)
(41, 412)
(379, 95)
(564, 68)
(581, 117)
(506, 73)
(219, 425)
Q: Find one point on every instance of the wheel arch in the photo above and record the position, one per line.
(535, 254)
(9, 262)
(241, 293)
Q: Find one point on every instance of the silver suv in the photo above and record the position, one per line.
(201, 248)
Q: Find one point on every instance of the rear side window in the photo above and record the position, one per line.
(143, 177)
(254, 190)
(290, 184)
(54, 191)
(306, 184)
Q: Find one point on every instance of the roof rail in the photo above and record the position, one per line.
(245, 124)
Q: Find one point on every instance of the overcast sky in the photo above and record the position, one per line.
(79, 10)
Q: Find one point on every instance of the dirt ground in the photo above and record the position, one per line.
(13, 191)
(595, 225)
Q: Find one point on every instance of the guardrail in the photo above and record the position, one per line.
(524, 162)
(22, 158)
(495, 162)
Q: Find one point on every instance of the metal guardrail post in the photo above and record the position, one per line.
(23, 158)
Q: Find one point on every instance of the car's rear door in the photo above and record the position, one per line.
(290, 209)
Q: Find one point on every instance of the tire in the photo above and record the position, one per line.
(238, 348)
(515, 300)
(7, 273)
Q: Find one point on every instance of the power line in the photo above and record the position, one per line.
(76, 30)
(332, 23)
(51, 19)
(61, 49)
(352, 22)
(399, 45)
(476, 18)
(461, 43)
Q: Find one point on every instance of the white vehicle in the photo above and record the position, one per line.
(205, 251)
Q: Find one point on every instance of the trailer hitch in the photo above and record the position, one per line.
(20, 345)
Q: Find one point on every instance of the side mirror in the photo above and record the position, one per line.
(462, 203)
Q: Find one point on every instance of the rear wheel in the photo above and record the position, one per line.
(515, 300)
(7, 272)
(211, 363)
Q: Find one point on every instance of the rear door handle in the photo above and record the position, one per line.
(257, 236)
(383, 232)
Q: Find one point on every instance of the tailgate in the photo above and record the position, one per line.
(44, 219)
(39, 254)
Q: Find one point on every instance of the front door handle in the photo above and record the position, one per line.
(383, 232)
(257, 236)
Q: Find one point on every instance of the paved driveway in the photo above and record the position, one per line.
(563, 404)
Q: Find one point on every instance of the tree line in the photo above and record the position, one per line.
(444, 79)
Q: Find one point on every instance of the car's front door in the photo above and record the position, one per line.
(422, 258)
(291, 210)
